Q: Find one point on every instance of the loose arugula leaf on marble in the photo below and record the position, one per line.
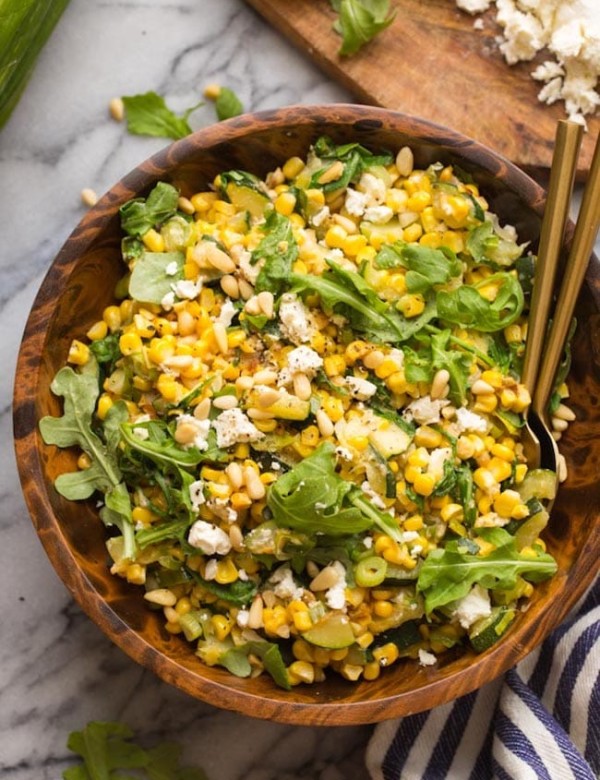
(154, 274)
(448, 574)
(80, 390)
(279, 250)
(360, 21)
(148, 114)
(139, 215)
(106, 748)
(314, 499)
(228, 104)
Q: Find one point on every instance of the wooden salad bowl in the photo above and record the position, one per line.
(80, 283)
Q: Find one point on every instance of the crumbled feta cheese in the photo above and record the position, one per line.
(473, 6)
(296, 325)
(375, 498)
(426, 658)
(425, 410)
(140, 433)
(242, 618)
(470, 421)
(186, 288)
(171, 268)
(360, 388)
(249, 272)
(221, 509)
(197, 494)
(199, 427)
(168, 301)
(475, 605)
(437, 460)
(344, 453)
(373, 187)
(210, 570)
(304, 360)
(320, 217)
(227, 313)
(355, 203)
(378, 214)
(232, 426)
(243, 575)
(284, 584)
(336, 595)
(209, 538)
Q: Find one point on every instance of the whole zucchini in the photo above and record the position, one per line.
(25, 26)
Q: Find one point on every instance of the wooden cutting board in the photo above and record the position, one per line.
(432, 63)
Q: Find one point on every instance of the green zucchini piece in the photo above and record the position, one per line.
(333, 632)
(487, 631)
(538, 483)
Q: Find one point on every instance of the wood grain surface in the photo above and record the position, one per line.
(433, 64)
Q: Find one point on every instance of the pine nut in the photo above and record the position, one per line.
(185, 433)
(236, 537)
(178, 362)
(244, 383)
(230, 286)
(266, 303)
(562, 468)
(346, 223)
(259, 414)
(481, 387)
(185, 205)
(373, 359)
(556, 435)
(161, 596)
(225, 402)
(266, 396)
(186, 323)
(265, 377)
(448, 412)
(325, 579)
(220, 333)
(116, 108)
(252, 306)
(559, 425)
(235, 475)
(439, 385)
(324, 424)
(202, 409)
(89, 197)
(332, 173)
(210, 253)
(565, 413)
(254, 487)
(255, 613)
(405, 161)
(302, 386)
(312, 569)
(246, 289)
(171, 615)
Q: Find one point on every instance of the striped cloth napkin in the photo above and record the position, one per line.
(541, 721)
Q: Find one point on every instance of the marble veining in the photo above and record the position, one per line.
(57, 670)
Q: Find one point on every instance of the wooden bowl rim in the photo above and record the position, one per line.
(281, 706)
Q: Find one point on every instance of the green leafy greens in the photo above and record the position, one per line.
(360, 21)
(148, 114)
(139, 215)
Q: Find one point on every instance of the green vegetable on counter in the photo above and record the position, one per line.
(148, 114)
(360, 21)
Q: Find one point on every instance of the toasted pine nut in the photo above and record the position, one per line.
(562, 468)
(185, 205)
(252, 306)
(255, 613)
(208, 253)
(220, 333)
(225, 402)
(246, 289)
(302, 386)
(481, 387)
(345, 222)
(259, 414)
(254, 487)
(312, 569)
(440, 383)
(235, 475)
(178, 362)
(171, 615)
(236, 537)
(266, 396)
(89, 197)
(559, 424)
(266, 302)
(243, 383)
(202, 409)
(324, 424)
(186, 323)
(332, 173)
(185, 433)
(116, 108)
(265, 377)
(325, 579)
(373, 359)
(161, 596)
(230, 286)
(405, 161)
(565, 413)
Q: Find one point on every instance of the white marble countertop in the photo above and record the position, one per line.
(57, 670)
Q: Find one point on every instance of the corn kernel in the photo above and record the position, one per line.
(301, 672)
(386, 654)
(226, 572)
(292, 167)
(112, 317)
(129, 343)
(104, 404)
(97, 331)
(153, 241)
(411, 305)
(284, 203)
(424, 484)
(413, 233)
(427, 437)
(222, 626)
(79, 353)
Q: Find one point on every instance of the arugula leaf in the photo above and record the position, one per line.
(426, 266)
(160, 446)
(228, 104)
(467, 307)
(148, 114)
(356, 159)
(457, 363)
(240, 592)
(279, 250)
(360, 21)
(314, 499)
(141, 214)
(106, 350)
(448, 574)
(80, 392)
(488, 248)
(149, 281)
(108, 747)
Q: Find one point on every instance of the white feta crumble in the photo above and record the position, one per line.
(356, 202)
(200, 428)
(221, 509)
(187, 289)
(373, 187)
(336, 595)
(285, 586)
(344, 453)
(294, 317)
(375, 498)
(304, 360)
(210, 570)
(473, 6)
(171, 268)
(360, 388)
(197, 494)
(168, 301)
(209, 538)
(378, 214)
(437, 460)
(470, 421)
(140, 433)
(232, 426)
(426, 658)
(475, 605)
(321, 216)
(425, 410)
(242, 618)
(227, 313)
(249, 272)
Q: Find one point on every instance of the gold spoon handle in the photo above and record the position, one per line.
(586, 230)
(562, 174)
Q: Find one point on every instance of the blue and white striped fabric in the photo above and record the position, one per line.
(541, 721)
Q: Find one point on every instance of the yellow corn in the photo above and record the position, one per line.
(153, 241)
(79, 353)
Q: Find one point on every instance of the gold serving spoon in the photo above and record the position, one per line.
(538, 444)
(586, 231)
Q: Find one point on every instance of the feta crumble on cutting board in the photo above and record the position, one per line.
(569, 30)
